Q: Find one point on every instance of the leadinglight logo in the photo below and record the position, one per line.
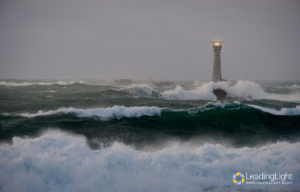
(263, 178)
(240, 180)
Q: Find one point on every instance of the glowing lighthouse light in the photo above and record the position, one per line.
(217, 43)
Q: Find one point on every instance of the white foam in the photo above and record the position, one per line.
(115, 112)
(51, 91)
(197, 83)
(14, 83)
(8, 84)
(213, 105)
(204, 92)
(283, 111)
(218, 104)
(241, 89)
(59, 162)
(143, 90)
(294, 86)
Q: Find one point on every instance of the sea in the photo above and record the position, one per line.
(90, 135)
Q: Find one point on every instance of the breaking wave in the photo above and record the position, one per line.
(295, 86)
(283, 111)
(197, 83)
(238, 105)
(143, 90)
(115, 112)
(57, 161)
(241, 89)
(8, 84)
(118, 112)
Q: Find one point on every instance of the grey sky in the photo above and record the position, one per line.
(142, 39)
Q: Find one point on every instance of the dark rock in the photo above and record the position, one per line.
(163, 84)
(160, 84)
(221, 94)
(124, 82)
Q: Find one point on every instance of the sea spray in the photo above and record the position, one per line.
(115, 112)
(241, 89)
(57, 161)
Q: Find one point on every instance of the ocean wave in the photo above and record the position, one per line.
(118, 112)
(50, 91)
(115, 112)
(17, 84)
(241, 89)
(295, 86)
(57, 161)
(197, 83)
(220, 104)
(143, 90)
(283, 111)
(237, 105)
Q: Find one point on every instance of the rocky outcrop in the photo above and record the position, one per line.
(124, 82)
(221, 94)
(160, 84)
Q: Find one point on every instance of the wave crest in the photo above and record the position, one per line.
(144, 90)
(115, 112)
(236, 105)
(16, 84)
(283, 111)
(118, 112)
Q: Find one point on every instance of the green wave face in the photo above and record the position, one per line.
(238, 124)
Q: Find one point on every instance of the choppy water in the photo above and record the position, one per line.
(90, 135)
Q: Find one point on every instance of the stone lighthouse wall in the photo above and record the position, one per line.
(217, 75)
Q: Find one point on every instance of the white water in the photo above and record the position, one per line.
(118, 112)
(241, 89)
(295, 86)
(57, 161)
(8, 84)
(115, 112)
(283, 111)
(143, 90)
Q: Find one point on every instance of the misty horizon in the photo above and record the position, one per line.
(140, 40)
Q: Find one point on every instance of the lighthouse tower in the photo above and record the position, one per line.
(217, 75)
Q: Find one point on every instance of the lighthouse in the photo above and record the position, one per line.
(217, 75)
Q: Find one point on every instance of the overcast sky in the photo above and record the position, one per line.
(142, 39)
